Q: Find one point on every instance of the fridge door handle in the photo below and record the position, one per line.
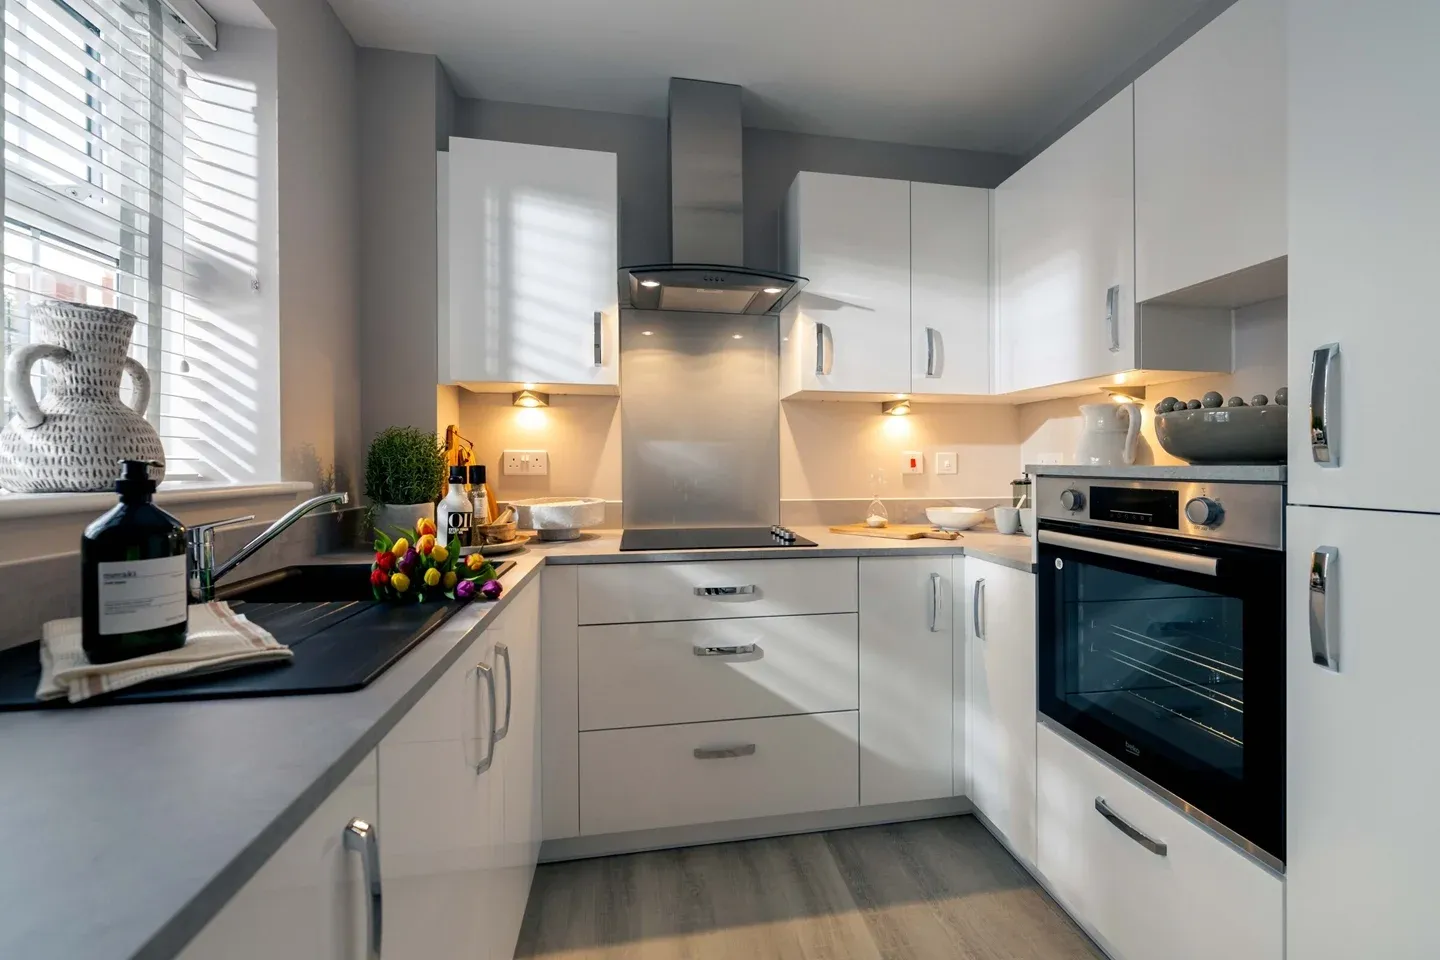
(1324, 618)
(599, 344)
(1324, 404)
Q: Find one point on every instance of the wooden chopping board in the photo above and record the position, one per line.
(896, 531)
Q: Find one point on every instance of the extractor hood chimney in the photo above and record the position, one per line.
(707, 216)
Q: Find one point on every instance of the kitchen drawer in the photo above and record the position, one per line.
(650, 777)
(641, 592)
(642, 674)
(1201, 900)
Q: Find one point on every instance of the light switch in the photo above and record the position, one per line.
(947, 462)
(912, 461)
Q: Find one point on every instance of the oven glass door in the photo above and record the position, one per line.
(1176, 673)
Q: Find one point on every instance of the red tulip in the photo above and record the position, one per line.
(379, 578)
(385, 560)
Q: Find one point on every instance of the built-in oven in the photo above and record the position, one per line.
(1161, 629)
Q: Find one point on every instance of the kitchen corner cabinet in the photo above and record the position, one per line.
(528, 266)
(1001, 697)
(849, 330)
(906, 696)
(949, 290)
(1210, 153)
(308, 901)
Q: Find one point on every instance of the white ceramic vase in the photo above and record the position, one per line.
(71, 439)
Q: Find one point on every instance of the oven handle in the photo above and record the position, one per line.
(1209, 566)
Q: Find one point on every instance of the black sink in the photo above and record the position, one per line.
(343, 638)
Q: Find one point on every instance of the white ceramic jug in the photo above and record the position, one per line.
(1112, 431)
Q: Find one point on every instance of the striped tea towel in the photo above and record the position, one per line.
(218, 639)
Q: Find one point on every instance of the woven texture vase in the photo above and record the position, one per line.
(71, 439)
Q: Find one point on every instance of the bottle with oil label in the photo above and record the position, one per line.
(454, 514)
(132, 560)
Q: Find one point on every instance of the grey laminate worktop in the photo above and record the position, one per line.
(1219, 473)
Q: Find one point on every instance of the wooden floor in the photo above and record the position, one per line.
(933, 888)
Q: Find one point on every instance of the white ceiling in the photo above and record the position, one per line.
(979, 74)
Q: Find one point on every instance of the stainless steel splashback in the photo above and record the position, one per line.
(700, 419)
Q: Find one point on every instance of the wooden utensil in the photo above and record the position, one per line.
(896, 531)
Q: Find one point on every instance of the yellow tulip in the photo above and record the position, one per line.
(432, 577)
(400, 582)
(400, 547)
(425, 544)
(439, 554)
(450, 580)
(474, 561)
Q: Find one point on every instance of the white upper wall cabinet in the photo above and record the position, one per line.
(1065, 239)
(949, 289)
(849, 330)
(1210, 153)
(528, 267)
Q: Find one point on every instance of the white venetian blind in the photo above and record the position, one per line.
(95, 196)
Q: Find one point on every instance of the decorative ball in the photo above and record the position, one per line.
(1236, 402)
(1193, 405)
(1259, 399)
(1282, 396)
(1166, 405)
(1212, 399)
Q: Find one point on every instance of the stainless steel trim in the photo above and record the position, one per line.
(1188, 562)
(1254, 513)
(1112, 316)
(1156, 847)
(935, 602)
(1324, 619)
(975, 606)
(738, 650)
(824, 359)
(360, 837)
(931, 336)
(1324, 400)
(484, 672)
(737, 591)
(1274, 865)
(502, 652)
(725, 753)
(599, 338)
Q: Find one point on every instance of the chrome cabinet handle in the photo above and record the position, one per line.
(502, 652)
(599, 339)
(824, 359)
(1112, 317)
(975, 604)
(744, 590)
(484, 672)
(932, 337)
(1157, 847)
(935, 603)
(739, 650)
(1324, 404)
(725, 753)
(360, 837)
(1324, 621)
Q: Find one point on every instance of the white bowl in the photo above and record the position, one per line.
(559, 518)
(954, 518)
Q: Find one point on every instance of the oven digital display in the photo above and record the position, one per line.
(1147, 508)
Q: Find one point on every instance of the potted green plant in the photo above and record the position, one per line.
(404, 477)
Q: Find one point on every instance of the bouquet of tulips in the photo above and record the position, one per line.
(406, 570)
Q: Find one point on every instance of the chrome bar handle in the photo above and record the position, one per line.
(360, 837)
(725, 753)
(502, 652)
(1324, 619)
(976, 603)
(743, 590)
(1112, 317)
(932, 337)
(484, 672)
(1324, 404)
(935, 603)
(599, 338)
(824, 358)
(738, 650)
(1157, 847)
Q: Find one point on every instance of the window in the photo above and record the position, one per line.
(126, 181)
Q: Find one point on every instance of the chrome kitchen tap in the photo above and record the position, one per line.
(201, 539)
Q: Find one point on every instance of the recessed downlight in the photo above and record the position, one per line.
(774, 290)
(650, 283)
(647, 333)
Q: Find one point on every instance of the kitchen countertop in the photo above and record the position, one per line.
(127, 828)
(1239, 472)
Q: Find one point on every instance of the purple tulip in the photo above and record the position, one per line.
(407, 562)
(491, 590)
(465, 590)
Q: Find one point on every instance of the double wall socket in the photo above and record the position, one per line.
(529, 463)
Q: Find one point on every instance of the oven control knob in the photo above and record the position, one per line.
(1203, 511)
(1072, 499)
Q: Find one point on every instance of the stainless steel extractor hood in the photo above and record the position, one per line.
(707, 216)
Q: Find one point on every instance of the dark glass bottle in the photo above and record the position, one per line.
(132, 561)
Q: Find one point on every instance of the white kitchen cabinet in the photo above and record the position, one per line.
(518, 754)
(949, 290)
(959, 679)
(1363, 150)
(309, 900)
(1210, 153)
(906, 696)
(1174, 890)
(715, 590)
(1360, 838)
(528, 266)
(1001, 698)
(849, 330)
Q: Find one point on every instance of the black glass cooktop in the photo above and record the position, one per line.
(712, 538)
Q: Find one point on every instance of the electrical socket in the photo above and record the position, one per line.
(947, 462)
(912, 461)
(528, 463)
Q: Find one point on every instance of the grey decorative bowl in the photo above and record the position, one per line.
(1224, 434)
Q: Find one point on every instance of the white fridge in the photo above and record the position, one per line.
(1363, 525)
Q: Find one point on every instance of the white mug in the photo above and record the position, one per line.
(1027, 521)
(1007, 519)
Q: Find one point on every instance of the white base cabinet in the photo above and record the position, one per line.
(1172, 890)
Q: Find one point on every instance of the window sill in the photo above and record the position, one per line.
(14, 506)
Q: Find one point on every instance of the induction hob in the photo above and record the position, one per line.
(712, 538)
